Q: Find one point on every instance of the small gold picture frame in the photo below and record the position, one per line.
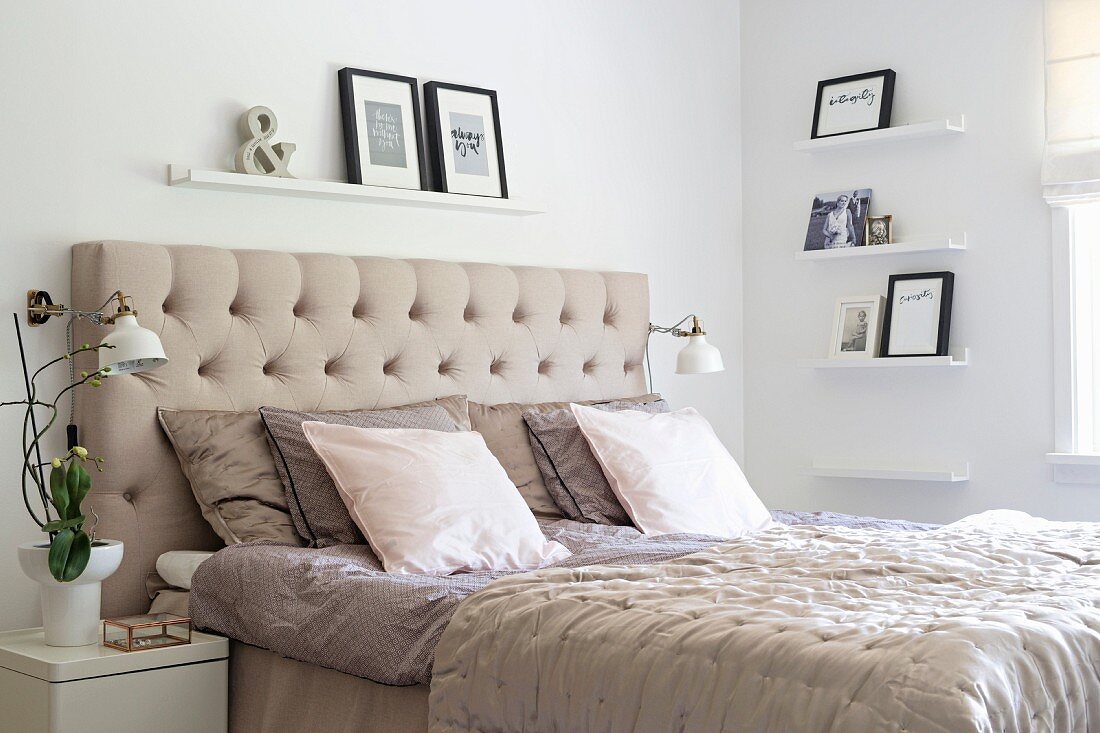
(879, 230)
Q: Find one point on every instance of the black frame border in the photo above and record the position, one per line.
(435, 134)
(943, 336)
(884, 110)
(351, 132)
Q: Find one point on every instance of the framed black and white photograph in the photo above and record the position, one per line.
(879, 230)
(853, 103)
(857, 323)
(918, 314)
(837, 219)
(464, 137)
(382, 129)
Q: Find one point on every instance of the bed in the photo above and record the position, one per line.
(987, 624)
(249, 328)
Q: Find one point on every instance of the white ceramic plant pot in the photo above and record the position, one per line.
(70, 611)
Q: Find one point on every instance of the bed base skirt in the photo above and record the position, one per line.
(268, 692)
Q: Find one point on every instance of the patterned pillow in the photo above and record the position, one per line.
(571, 473)
(508, 439)
(316, 507)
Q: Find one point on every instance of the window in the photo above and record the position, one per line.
(1071, 184)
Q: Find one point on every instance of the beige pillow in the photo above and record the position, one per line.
(226, 458)
(506, 435)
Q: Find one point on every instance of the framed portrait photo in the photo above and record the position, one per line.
(857, 323)
(918, 314)
(464, 137)
(837, 219)
(382, 129)
(879, 230)
(853, 103)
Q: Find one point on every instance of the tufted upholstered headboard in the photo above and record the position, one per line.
(245, 328)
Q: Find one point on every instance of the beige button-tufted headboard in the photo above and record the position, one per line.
(245, 328)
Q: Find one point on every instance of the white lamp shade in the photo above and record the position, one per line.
(136, 349)
(698, 357)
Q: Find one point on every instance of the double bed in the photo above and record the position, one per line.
(819, 623)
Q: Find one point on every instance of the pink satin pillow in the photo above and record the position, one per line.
(671, 473)
(431, 502)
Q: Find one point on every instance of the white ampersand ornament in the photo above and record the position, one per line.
(257, 155)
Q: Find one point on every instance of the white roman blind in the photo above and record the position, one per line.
(1071, 165)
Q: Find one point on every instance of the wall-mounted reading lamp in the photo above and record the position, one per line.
(133, 349)
(697, 357)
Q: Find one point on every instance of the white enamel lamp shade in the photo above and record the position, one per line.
(698, 357)
(136, 349)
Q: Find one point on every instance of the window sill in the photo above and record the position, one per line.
(1075, 468)
(1074, 459)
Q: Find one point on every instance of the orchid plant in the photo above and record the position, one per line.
(62, 516)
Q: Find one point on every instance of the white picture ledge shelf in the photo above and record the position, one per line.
(940, 243)
(932, 128)
(844, 469)
(958, 358)
(179, 175)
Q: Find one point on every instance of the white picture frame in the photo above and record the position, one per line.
(857, 324)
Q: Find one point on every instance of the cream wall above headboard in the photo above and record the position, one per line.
(245, 328)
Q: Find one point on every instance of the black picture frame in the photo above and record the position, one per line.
(435, 134)
(351, 134)
(943, 335)
(887, 101)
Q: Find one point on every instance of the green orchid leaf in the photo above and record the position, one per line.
(72, 483)
(79, 554)
(59, 524)
(84, 485)
(59, 492)
(59, 553)
(69, 554)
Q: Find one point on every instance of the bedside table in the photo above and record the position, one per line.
(93, 689)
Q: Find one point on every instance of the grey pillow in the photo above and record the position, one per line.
(318, 511)
(572, 475)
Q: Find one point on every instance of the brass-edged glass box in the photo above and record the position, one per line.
(146, 631)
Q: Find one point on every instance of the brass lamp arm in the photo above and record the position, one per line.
(696, 327)
(41, 308)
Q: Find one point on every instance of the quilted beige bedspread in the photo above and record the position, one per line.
(988, 624)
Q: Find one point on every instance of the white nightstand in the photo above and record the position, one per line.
(93, 689)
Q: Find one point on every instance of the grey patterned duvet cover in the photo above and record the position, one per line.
(336, 607)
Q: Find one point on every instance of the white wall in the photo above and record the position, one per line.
(621, 117)
(982, 58)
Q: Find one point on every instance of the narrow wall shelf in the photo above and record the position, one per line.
(958, 358)
(932, 128)
(845, 469)
(940, 243)
(179, 175)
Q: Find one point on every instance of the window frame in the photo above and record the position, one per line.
(1075, 457)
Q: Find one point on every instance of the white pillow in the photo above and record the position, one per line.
(177, 566)
(431, 502)
(671, 473)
